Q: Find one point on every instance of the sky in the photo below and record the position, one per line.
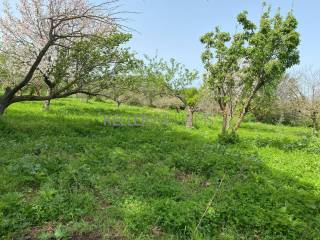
(172, 28)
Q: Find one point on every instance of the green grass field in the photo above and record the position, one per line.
(64, 175)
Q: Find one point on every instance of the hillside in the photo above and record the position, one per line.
(63, 174)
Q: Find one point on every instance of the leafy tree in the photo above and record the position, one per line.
(119, 90)
(190, 98)
(35, 35)
(91, 65)
(173, 79)
(265, 102)
(222, 77)
(123, 85)
(151, 78)
(177, 82)
(239, 67)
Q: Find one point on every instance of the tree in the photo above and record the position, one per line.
(151, 78)
(119, 90)
(310, 95)
(190, 98)
(173, 79)
(38, 35)
(124, 84)
(222, 77)
(239, 67)
(177, 82)
(91, 65)
(280, 104)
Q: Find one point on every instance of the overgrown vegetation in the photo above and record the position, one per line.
(64, 174)
(86, 168)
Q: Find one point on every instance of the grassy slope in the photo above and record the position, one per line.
(63, 173)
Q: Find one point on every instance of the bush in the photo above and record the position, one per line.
(228, 138)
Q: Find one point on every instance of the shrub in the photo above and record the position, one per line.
(228, 138)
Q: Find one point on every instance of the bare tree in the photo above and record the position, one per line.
(287, 105)
(298, 97)
(33, 36)
(310, 95)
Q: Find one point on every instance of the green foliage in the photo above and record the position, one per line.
(151, 78)
(228, 138)
(91, 64)
(177, 77)
(250, 63)
(63, 174)
(191, 96)
(166, 78)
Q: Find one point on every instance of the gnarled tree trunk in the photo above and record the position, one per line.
(10, 93)
(4, 101)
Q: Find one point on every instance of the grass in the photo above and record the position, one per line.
(64, 175)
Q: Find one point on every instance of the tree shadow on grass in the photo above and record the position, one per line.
(138, 170)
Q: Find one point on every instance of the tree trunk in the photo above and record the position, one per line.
(189, 123)
(30, 73)
(246, 106)
(4, 101)
(10, 93)
(151, 102)
(315, 123)
(2, 108)
(243, 112)
(46, 104)
(225, 121)
(118, 104)
(4, 104)
(239, 121)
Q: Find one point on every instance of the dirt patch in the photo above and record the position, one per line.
(182, 176)
(48, 227)
(87, 236)
(157, 231)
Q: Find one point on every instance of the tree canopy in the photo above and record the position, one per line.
(256, 57)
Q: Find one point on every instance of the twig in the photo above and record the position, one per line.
(209, 203)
